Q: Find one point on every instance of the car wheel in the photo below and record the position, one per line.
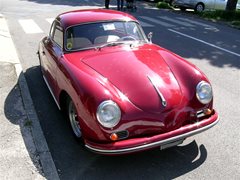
(73, 118)
(182, 8)
(199, 7)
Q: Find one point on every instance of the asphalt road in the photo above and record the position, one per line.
(214, 48)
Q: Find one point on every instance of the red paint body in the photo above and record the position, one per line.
(120, 73)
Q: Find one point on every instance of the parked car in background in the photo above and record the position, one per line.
(167, 1)
(200, 5)
(122, 93)
(238, 5)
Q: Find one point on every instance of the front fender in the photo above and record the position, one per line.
(188, 76)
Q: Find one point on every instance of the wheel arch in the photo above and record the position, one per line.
(63, 97)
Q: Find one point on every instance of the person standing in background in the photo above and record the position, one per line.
(120, 6)
(107, 4)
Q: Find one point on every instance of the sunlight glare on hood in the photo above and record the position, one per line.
(123, 97)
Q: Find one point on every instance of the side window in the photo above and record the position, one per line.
(56, 33)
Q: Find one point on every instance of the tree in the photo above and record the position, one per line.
(231, 5)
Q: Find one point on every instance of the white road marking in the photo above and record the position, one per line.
(195, 22)
(157, 21)
(204, 42)
(30, 27)
(176, 21)
(50, 20)
(144, 24)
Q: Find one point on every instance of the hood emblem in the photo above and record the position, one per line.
(164, 102)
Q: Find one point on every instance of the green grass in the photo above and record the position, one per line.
(28, 123)
(236, 24)
(232, 17)
(221, 15)
(163, 5)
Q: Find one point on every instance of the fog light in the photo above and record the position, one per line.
(207, 111)
(114, 137)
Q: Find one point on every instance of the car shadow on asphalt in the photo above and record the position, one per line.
(14, 111)
(154, 164)
(73, 161)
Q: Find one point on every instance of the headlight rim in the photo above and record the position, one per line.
(198, 87)
(103, 104)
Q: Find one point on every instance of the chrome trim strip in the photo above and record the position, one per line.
(154, 144)
(164, 102)
(51, 92)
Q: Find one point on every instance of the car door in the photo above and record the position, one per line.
(53, 53)
(209, 4)
(220, 4)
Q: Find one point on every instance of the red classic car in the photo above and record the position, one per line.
(121, 93)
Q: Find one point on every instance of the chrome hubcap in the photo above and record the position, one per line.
(199, 8)
(72, 114)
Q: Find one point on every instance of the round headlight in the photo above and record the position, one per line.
(108, 114)
(204, 92)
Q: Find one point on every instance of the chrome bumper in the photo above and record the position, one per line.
(160, 143)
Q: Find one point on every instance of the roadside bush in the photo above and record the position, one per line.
(236, 24)
(163, 5)
(231, 17)
(221, 15)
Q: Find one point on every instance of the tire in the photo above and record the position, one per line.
(199, 7)
(71, 114)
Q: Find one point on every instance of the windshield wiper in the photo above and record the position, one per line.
(115, 43)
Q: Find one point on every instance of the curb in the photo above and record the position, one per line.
(48, 166)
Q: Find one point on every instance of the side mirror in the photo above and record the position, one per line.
(47, 40)
(150, 35)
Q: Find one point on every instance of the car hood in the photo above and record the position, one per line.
(142, 75)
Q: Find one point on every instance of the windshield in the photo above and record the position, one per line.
(97, 34)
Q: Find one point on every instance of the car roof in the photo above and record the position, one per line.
(72, 18)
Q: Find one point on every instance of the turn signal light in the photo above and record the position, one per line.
(207, 111)
(114, 137)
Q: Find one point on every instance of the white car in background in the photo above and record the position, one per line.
(200, 5)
